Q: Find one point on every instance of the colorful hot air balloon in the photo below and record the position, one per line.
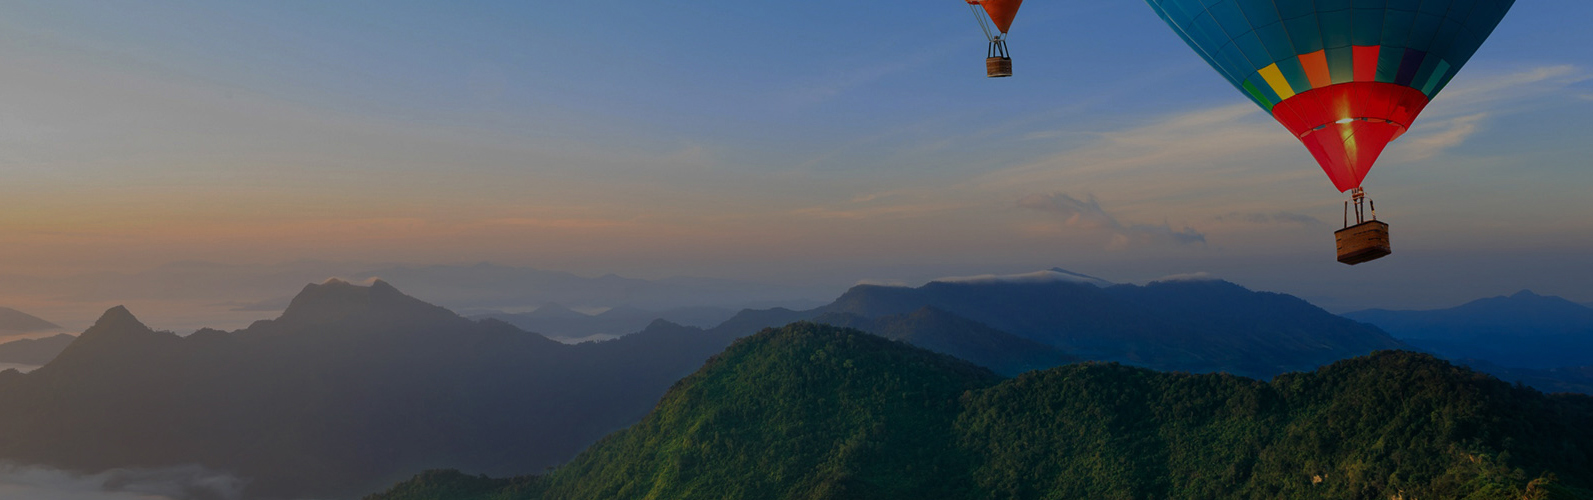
(1000, 13)
(1344, 76)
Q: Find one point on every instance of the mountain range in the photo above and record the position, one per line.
(813, 411)
(231, 294)
(1197, 325)
(352, 387)
(1523, 330)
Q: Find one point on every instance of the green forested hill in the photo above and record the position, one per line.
(817, 412)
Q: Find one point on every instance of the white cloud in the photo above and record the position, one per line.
(1196, 276)
(1046, 276)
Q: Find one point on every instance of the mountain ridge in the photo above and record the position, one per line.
(1181, 325)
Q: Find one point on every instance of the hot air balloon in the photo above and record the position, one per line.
(998, 62)
(1346, 77)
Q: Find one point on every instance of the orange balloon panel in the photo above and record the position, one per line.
(1001, 11)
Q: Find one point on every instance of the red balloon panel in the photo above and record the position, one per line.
(1347, 125)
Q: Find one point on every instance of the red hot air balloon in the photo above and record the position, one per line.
(998, 62)
(1346, 77)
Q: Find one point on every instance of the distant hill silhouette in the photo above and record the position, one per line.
(14, 321)
(813, 411)
(352, 387)
(1194, 325)
(1523, 330)
(34, 351)
(562, 323)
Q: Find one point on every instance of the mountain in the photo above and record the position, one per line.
(562, 323)
(965, 339)
(352, 387)
(14, 321)
(1178, 325)
(812, 411)
(1523, 330)
(34, 351)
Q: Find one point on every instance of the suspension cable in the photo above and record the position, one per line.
(983, 23)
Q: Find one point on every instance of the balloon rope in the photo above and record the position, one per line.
(984, 25)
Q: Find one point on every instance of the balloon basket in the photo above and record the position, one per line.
(997, 67)
(1365, 241)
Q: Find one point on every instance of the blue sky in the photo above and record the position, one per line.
(816, 142)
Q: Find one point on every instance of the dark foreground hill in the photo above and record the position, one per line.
(818, 412)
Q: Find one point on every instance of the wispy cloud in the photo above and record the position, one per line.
(1438, 136)
(1087, 214)
(1280, 217)
(1473, 90)
(866, 72)
(1183, 152)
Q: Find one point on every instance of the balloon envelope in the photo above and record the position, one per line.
(1345, 76)
(1001, 12)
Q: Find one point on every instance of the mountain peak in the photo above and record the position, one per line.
(117, 318)
(335, 300)
(1525, 294)
(116, 335)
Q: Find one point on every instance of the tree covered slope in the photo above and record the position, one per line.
(817, 412)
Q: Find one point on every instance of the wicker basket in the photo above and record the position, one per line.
(1363, 242)
(998, 67)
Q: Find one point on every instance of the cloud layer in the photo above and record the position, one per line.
(1088, 214)
(190, 482)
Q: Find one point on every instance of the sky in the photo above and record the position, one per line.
(818, 143)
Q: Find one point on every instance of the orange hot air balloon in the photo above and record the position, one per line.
(998, 62)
